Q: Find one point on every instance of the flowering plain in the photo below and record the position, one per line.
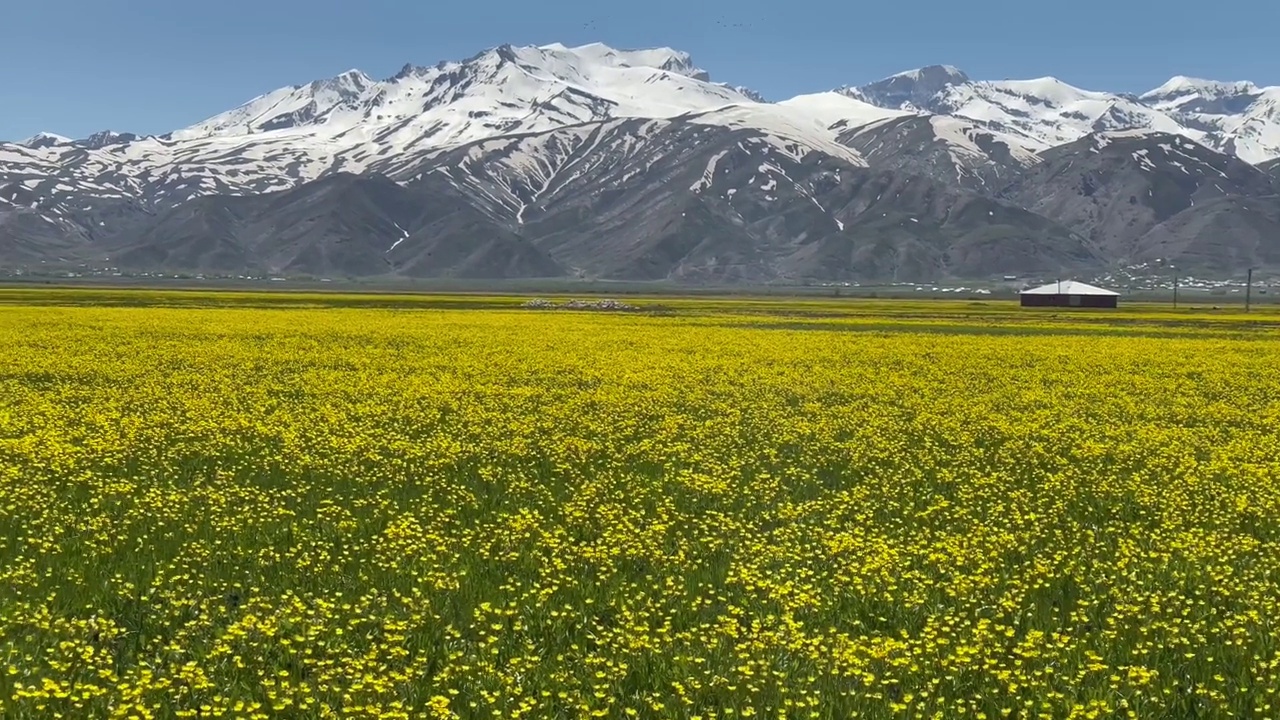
(247, 507)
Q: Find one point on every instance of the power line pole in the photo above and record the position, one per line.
(1248, 290)
(1175, 286)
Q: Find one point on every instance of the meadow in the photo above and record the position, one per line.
(272, 505)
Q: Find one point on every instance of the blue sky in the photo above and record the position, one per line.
(78, 66)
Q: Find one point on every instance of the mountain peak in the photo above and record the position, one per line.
(1183, 85)
(1239, 117)
(104, 138)
(746, 92)
(910, 90)
(492, 92)
(44, 140)
(351, 82)
(946, 73)
(658, 58)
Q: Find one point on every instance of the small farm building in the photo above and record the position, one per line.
(1069, 293)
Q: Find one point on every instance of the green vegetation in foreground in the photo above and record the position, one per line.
(261, 505)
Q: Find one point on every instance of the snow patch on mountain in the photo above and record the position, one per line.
(709, 173)
(663, 58)
(962, 139)
(838, 111)
(1100, 140)
(790, 130)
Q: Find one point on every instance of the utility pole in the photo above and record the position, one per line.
(1175, 286)
(1248, 290)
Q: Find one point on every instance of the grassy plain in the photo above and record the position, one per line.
(305, 505)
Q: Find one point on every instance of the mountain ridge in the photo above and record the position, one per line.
(500, 146)
(926, 90)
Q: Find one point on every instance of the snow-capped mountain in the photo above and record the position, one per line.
(913, 90)
(622, 199)
(102, 139)
(44, 140)
(1050, 110)
(95, 141)
(353, 123)
(839, 111)
(1044, 112)
(1238, 118)
(504, 90)
(554, 153)
(1182, 94)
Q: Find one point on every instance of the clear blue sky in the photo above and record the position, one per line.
(78, 66)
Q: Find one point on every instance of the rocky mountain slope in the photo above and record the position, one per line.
(627, 199)
(957, 150)
(716, 203)
(343, 224)
(1121, 187)
(1272, 168)
(596, 162)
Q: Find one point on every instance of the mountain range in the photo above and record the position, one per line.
(592, 162)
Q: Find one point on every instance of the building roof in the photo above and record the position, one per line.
(1069, 287)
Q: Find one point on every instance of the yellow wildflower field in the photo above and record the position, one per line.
(257, 509)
